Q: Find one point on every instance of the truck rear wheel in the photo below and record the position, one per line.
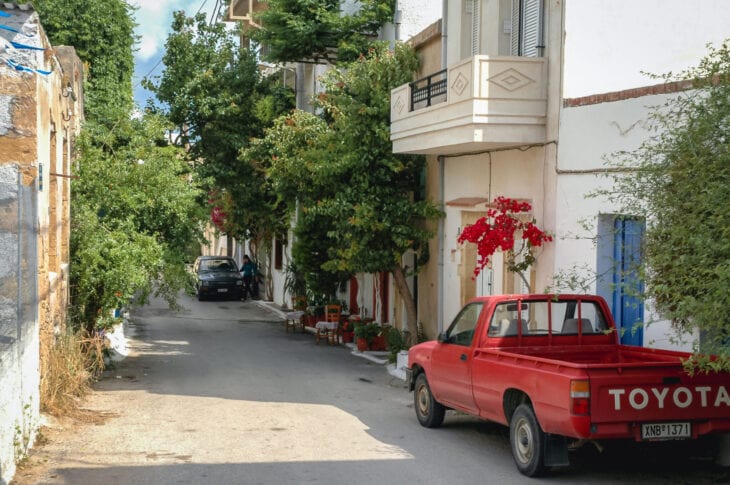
(527, 440)
(429, 411)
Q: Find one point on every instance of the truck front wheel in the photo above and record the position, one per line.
(429, 411)
(527, 441)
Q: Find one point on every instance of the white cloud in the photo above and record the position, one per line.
(154, 18)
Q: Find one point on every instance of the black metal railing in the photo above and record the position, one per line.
(426, 90)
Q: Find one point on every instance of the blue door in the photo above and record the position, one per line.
(619, 255)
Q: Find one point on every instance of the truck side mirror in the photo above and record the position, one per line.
(443, 338)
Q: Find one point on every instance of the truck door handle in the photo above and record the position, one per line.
(463, 357)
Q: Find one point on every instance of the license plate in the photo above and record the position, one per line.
(665, 431)
(222, 290)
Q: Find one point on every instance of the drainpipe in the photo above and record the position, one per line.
(441, 231)
(396, 22)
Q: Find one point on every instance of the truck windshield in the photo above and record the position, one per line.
(535, 317)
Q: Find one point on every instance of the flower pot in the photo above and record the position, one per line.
(378, 343)
(348, 337)
(362, 344)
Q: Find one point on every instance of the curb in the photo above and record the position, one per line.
(380, 358)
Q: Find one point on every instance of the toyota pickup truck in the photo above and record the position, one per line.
(552, 369)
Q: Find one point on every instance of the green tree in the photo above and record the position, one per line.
(347, 178)
(135, 217)
(319, 30)
(213, 92)
(102, 32)
(680, 181)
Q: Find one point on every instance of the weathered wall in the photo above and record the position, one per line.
(38, 117)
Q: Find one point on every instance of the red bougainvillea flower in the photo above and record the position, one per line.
(497, 231)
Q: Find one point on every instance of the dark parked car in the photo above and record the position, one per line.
(217, 276)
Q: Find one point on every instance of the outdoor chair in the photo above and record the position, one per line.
(329, 328)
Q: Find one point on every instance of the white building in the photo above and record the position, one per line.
(534, 94)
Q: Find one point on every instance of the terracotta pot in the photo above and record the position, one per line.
(378, 343)
(348, 337)
(362, 344)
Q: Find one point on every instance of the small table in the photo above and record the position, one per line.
(293, 319)
(331, 331)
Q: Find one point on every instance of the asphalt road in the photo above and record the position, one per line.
(218, 393)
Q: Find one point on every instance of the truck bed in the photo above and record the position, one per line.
(594, 356)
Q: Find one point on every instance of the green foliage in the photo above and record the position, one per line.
(311, 251)
(213, 92)
(319, 30)
(134, 217)
(680, 181)
(102, 32)
(396, 343)
(373, 197)
(368, 331)
(359, 212)
(134, 211)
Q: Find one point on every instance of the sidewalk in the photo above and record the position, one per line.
(377, 357)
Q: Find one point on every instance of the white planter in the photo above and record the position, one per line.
(117, 343)
(402, 360)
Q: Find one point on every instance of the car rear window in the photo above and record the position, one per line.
(217, 265)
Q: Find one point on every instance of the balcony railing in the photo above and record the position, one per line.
(479, 103)
(428, 90)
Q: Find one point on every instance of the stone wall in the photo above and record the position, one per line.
(39, 116)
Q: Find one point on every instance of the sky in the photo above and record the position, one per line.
(154, 18)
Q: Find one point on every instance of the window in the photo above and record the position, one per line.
(461, 331)
(278, 253)
(536, 317)
(527, 28)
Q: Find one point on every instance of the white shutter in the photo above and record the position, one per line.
(476, 17)
(515, 34)
(530, 37)
(526, 21)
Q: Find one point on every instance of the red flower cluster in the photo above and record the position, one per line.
(497, 230)
(218, 217)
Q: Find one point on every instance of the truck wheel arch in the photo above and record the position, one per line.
(415, 370)
(511, 399)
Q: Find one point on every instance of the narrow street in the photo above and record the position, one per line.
(219, 393)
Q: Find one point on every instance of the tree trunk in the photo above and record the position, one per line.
(411, 314)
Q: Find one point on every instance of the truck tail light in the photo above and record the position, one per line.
(580, 397)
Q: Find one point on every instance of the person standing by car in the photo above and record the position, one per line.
(248, 270)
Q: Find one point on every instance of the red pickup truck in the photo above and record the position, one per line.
(552, 369)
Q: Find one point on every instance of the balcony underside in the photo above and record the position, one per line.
(490, 103)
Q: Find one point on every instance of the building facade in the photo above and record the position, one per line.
(529, 99)
(40, 115)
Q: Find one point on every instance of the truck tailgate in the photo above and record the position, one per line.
(634, 395)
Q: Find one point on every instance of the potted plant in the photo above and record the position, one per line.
(347, 331)
(396, 344)
(380, 341)
(365, 333)
(296, 285)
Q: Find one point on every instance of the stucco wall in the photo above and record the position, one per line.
(19, 329)
(38, 120)
(512, 173)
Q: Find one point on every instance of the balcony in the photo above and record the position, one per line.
(480, 103)
(244, 12)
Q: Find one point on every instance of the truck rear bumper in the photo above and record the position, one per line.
(633, 430)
